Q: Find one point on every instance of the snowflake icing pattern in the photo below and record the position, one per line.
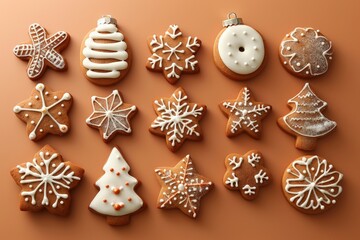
(173, 54)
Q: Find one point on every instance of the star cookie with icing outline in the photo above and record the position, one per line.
(45, 111)
(43, 51)
(245, 114)
(45, 182)
(173, 54)
(182, 187)
(111, 115)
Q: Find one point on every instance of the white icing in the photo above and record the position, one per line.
(113, 50)
(248, 190)
(108, 184)
(251, 44)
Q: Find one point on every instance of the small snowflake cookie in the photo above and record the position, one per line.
(246, 174)
(111, 115)
(46, 181)
(305, 52)
(239, 50)
(182, 187)
(245, 114)
(45, 112)
(116, 199)
(178, 119)
(43, 51)
(173, 54)
(311, 184)
(305, 121)
(104, 54)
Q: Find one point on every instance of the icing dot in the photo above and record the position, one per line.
(322, 207)
(61, 202)
(30, 104)
(298, 64)
(250, 103)
(129, 199)
(107, 186)
(318, 30)
(236, 62)
(50, 192)
(288, 48)
(287, 35)
(57, 187)
(307, 72)
(51, 126)
(318, 66)
(255, 48)
(127, 183)
(330, 58)
(32, 122)
(245, 32)
(246, 64)
(230, 54)
(41, 164)
(118, 206)
(26, 115)
(104, 200)
(55, 97)
(253, 39)
(323, 43)
(312, 169)
(161, 200)
(302, 34)
(26, 199)
(40, 190)
(47, 153)
(30, 186)
(116, 191)
(46, 93)
(229, 44)
(117, 174)
(59, 113)
(53, 165)
(285, 62)
(333, 201)
(124, 168)
(41, 130)
(174, 198)
(62, 105)
(36, 97)
(332, 190)
(111, 169)
(304, 171)
(253, 59)
(234, 34)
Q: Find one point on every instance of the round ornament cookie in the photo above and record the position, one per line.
(104, 56)
(311, 184)
(305, 52)
(239, 49)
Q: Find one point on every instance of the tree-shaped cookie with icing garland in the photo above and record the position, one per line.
(173, 54)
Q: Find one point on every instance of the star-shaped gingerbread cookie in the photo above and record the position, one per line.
(178, 119)
(111, 115)
(173, 54)
(45, 112)
(43, 51)
(246, 173)
(182, 187)
(245, 114)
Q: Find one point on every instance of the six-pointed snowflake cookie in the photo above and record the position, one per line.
(45, 112)
(45, 182)
(111, 115)
(245, 114)
(246, 173)
(43, 51)
(173, 54)
(182, 187)
(178, 119)
(311, 184)
(305, 52)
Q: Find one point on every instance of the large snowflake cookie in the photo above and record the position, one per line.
(178, 119)
(46, 181)
(245, 114)
(116, 198)
(45, 111)
(311, 184)
(246, 173)
(305, 52)
(104, 54)
(305, 121)
(173, 54)
(239, 49)
(43, 51)
(111, 115)
(182, 187)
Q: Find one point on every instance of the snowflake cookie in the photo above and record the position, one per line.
(305, 121)
(173, 54)
(246, 173)
(111, 115)
(46, 181)
(311, 184)
(182, 187)
(45, 112)
(245, 114)
(116, 199)
(177, 119)
(305, 52)
(43, 51)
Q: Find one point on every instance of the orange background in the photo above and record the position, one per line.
(223, 213)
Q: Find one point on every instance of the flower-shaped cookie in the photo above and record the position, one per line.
(305, 52)
(173, 54)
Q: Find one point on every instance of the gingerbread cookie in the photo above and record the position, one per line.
(111, 115)
(305, 121)
(245, 114)
(116, 198)
(173, 54)
(43, 51)
(182, 187)
(246, 174)
(178, 119)
(45, 112)
(104, 53)
(239, 50)
(305, 52)
(311, 184)
(46, 181)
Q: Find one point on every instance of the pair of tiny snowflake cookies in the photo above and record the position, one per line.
(45, 182)
(246, 174)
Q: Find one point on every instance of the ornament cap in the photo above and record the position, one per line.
(106, 19)
(231, 20)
